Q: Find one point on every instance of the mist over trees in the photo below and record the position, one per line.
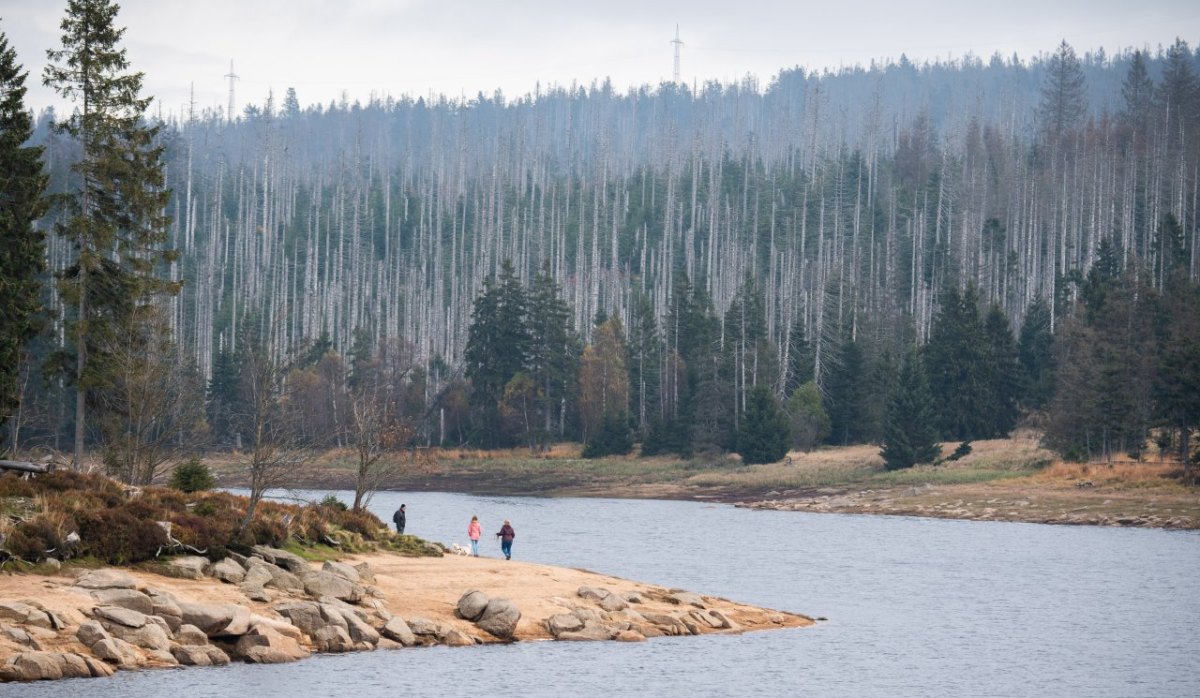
(737, 242)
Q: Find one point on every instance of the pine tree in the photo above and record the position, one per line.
(116, 218)
(1137, 91)
(764, 435)
(847, 393)
(22, 201)
(799, 358)
(909, 431)
(956, 365)
(554, 352)
(1035, 352)
(1001, 376)
(1064, 94)
(497, 349)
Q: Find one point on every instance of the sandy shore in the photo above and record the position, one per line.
(416, 590)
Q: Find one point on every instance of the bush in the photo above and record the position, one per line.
(115, 537)
(614, 439)
(192, 476)
(964, 449)
(332, 502)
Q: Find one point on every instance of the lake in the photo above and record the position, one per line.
(915, 607)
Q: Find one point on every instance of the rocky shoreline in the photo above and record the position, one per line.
(273, 606)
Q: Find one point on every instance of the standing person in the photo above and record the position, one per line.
(506, 536)
(473, 532)
(399, 518)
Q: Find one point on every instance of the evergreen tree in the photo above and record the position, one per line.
(116, 220)
(956, 367)
(223, 395)
(763, 436)
(645, 356)
(807, 417)
(909, 431)
(1137, 91)
(553, 352)
(497, 349)
(1064, 94)
(1177, 369)
(1179, 93)
(1001, 376)
(847, 394)
(22, 201)
(1035, 352)
(799, 358)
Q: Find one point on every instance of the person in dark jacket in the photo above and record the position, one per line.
(506, 536)
(398, 518)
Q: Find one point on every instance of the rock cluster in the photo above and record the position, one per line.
(497, 617)
(331, 609)
(611, 616)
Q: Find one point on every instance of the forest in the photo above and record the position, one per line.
(897, 253)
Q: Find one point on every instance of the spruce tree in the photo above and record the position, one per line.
(909, 430)
(1001, 376)
(764, 435)
(645, 356)
(847, 393)
(799, 358)
(956, 367)
(554, 351)
(116, 220)
(22, 201)
(497, 349)
(1064, 94)
(1035, 352)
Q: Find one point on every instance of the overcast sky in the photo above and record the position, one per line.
(462, 47)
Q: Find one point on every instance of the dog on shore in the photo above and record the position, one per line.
(459, 549)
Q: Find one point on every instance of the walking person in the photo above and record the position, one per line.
(473, 532)
(506, 536)
(399, 518)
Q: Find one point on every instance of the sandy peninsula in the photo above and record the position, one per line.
(275, 607)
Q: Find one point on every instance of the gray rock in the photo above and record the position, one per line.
(185, 567)
(359, 630)
(228, 570)
(591, 631)
(305, 615)
(116, 651)
(161, 658)
(239, 624)
(712, 619)
(106, 578)
(257, 594)
(471, 605)
(283, 580)
(629, 636)
(669, 625)
(613, 603)
(396, 629)
(119, 616)
(38, 666)
(456, 638)
(167, 608)
(267, 647)
(257, 575)
(97, 667)
(586, 614)
(199, 655)
(282, 558)
(422, 627)
(563, 623)
(500, 619)
(22, 612)
(592, 593)
(125, 598)
(365, 573)
(686, 598)
(91, 632)
(212, 619)
(327, 584)
(21, 637)
(190, 635)
(632, 597)
(53, 564)
(331, 638)
(333, 615)
(342, 570)
(151, 636)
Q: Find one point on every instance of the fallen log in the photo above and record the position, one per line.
(26, 466)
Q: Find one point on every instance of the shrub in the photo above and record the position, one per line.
(192, 476)
(115, 537)
(613, 439)
(332, 502)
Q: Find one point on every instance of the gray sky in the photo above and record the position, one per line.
(456, 47)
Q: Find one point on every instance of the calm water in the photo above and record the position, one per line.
(916, 607)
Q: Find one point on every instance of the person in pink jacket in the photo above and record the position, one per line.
(473, 531)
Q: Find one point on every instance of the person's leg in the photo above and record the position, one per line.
(474, 547)
(506, 548)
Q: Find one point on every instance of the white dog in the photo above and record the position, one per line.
(459, 549)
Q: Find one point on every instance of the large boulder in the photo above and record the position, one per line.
(324, 583)
(396, 629)
(305, 615)
(115, 615)
(422, 627)
(333, 639)
(282, 558)
(359, 630)
(106, 578)
(613, 603)
(342, 570)
(591, 631)
(185, 567)
(669, 625)
(228, 570)
(283, 580)
(166, 607)
(593, 594)
(500, 619)
(151, 636)
(686, 598)
(116, 651)
(199, 655)
(257, 575)
(212, 619)
(26, 613)
(125, 598)
(265, 646)
(365, 573)
(452, 637)
(91, 632)
(471, 605)
(190, 636)
(563, 623)
(39, 666)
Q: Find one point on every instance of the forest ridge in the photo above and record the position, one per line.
(816, 228)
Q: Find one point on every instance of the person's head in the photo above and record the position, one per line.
(402, 506)
(474, 518)
(506, 522)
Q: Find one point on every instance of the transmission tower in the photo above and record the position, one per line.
(678, 44)
(232, 77)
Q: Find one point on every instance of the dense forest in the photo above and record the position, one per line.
(744, 267)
